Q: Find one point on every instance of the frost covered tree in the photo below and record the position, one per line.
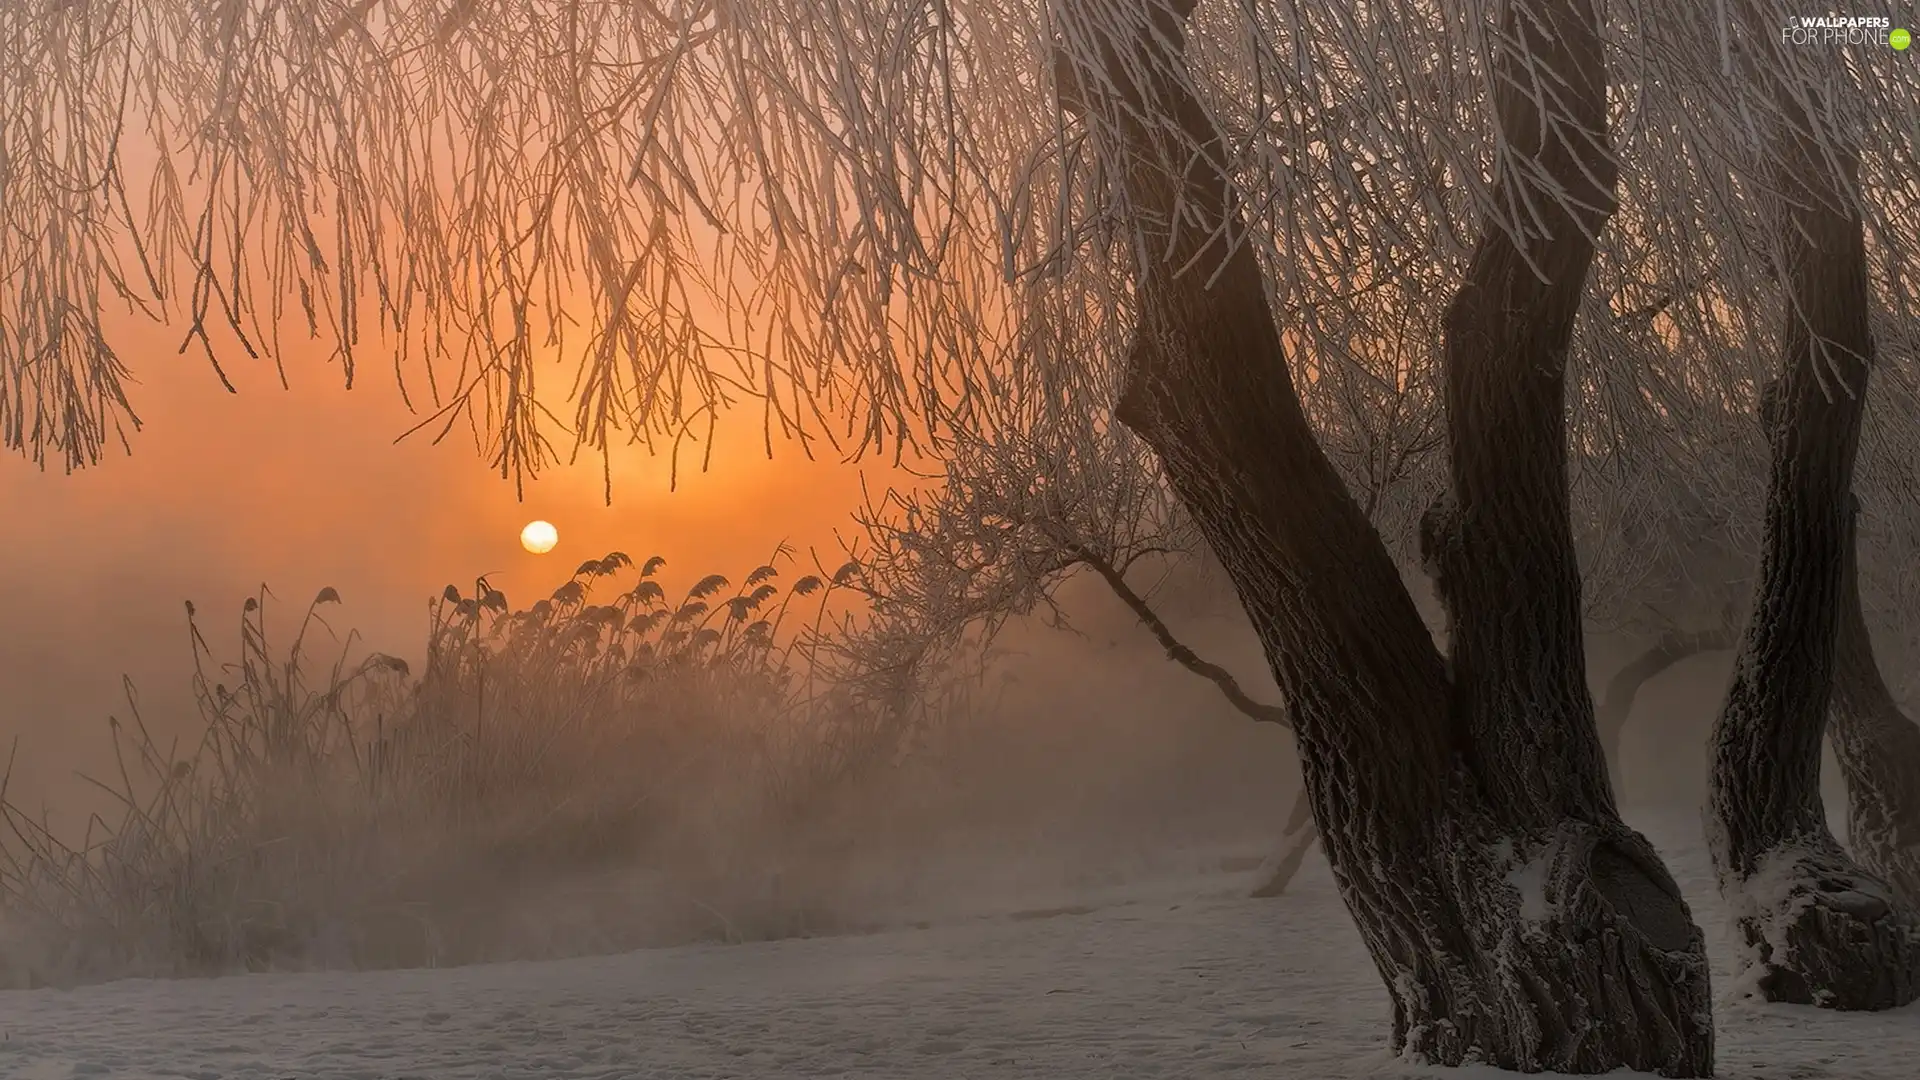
(1877, 745)
(1462, 801)
(864, 217)
(1825, 929)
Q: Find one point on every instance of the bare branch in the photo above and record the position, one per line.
(1177, 652)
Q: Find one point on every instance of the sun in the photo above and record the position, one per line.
(539, 537)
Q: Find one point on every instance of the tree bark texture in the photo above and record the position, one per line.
(1878, 748)
(1822, 928)
(1466, 814)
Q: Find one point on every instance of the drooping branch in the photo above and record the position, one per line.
(1178, 652)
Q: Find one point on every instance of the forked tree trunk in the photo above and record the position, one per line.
(1467, 817)
(1878, 749)
(1821, 928)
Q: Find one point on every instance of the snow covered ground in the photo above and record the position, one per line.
(1161, 981)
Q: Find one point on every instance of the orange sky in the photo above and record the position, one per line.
(302, 489)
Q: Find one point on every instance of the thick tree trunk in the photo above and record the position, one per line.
(1878, 748)
(1822, 929)
(1467, 819)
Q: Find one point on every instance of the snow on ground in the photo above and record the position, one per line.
(1193, 982)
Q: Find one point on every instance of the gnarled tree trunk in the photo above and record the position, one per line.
(1466, 814)
(1822, 929)
(1878, 749)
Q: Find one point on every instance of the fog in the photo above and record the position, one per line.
(1088, 760)
(1094, 759)
(302, 489)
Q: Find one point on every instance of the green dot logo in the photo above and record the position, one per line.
(1900, 39)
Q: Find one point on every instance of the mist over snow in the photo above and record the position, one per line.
(1146, 979)
(1064, 539)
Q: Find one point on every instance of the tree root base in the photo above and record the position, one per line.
(1841, 942)
(1583, 959)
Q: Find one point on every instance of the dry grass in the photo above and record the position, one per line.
(569, 777)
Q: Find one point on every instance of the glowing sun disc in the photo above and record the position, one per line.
(539, 537)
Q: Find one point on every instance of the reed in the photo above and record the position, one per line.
(608, 767)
